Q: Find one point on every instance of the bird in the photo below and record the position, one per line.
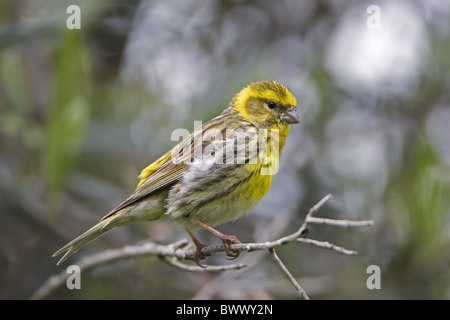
(215, 175)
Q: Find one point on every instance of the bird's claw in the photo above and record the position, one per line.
(227, 242)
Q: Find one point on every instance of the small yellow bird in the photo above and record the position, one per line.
(215, 175)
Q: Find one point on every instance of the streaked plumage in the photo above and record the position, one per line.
(194, 184)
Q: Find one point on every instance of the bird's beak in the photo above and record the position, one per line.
(290, 116)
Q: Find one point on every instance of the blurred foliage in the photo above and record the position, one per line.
(82, 111)
(68, 115)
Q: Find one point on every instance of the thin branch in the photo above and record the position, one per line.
(290, 238)
(327, 245)
(225, 282)
(174, 253)
(176, 263)
(141, 249)
(341, 223)
(300, 291)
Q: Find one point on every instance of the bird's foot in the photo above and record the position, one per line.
(227, 242)
(198, 255)
(226, 239)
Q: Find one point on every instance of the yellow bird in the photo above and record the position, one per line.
(215, 175)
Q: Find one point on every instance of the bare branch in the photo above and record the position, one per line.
(176, 263)
(223, 283)
(141, 249)
(327, 245)
(294, 282)
(340, 223)
(175, 252)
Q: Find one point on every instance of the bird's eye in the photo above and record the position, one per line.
(271, 105)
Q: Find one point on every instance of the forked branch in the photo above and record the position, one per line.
(175, 253)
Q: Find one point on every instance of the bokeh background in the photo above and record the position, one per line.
(83, 111)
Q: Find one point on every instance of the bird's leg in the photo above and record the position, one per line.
(198, 251)
(226, 239)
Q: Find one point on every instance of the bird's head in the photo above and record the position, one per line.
(266, 104)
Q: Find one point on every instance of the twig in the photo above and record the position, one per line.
(169, 253)
(300, 291)
(327, 245)
(225, 282)
(176, 263)
(341, 223)
(290, 238)
(174, 253)
(141, 249)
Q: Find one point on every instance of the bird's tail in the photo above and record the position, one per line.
(93, 233)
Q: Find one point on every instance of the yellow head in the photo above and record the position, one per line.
(267, 104)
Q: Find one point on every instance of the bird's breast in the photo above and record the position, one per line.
(225, 194)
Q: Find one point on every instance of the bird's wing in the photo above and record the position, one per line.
(168, 171)
(162, 173)
(172, 165)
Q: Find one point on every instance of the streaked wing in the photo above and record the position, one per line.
(166, 174)
(172, 168)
